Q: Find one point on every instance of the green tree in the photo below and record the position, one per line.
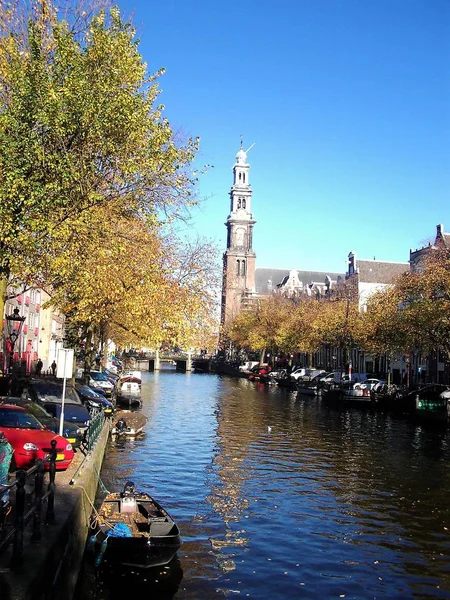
(79, 128)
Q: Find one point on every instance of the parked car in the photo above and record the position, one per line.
(248, 366)
(113, 377)
(114, 366)
(77, 414)
(306, 373)
(311, 374)
(46, 390)
(48, 393)
(372, 383)
(71, 431)
(30, 440)
(93, 400)
(98, 379)
(355, 378)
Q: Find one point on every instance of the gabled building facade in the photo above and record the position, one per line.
(417, 257)
(367, 276)
(41, 335)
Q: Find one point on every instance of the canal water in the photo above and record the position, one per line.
(281, 497)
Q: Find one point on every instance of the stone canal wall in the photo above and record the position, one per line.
(50, 567)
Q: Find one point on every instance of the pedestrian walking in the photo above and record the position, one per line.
(39, 366)
(53, 366)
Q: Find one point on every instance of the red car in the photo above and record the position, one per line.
(30, 440)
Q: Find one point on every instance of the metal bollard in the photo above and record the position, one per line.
(17, 552)
(37, 515)
(50, 516)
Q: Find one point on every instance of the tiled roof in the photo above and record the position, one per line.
(446, 238)
(375, 271)
(276, 276)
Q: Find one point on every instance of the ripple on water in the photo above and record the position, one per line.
(283, 497)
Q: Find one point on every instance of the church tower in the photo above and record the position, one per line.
(239, 258)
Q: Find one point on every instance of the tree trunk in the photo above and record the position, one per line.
(261, 358)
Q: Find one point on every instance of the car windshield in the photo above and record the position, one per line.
(18, 419)
(96, 376)
(35, 409)
(49, 391)
(87, 391)
(71, 412)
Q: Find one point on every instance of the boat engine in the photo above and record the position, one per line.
(128, 498)
(121, 426)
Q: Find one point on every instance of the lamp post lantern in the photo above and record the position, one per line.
(14, 323)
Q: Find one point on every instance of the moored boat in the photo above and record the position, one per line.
(128, 389)
(356, 394)
(133, 530)
(308, 388)
(128, 423)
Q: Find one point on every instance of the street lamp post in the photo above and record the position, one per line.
(14, 323)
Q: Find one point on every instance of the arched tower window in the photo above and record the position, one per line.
(238, 267)
(243, 203)
(240, 175)
(243, 267)
(243, 177)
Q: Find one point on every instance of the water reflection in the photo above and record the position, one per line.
(281, 496)
(118, 583)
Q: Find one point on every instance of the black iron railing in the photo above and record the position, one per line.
(11, 532)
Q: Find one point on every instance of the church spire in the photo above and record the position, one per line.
(239, 258)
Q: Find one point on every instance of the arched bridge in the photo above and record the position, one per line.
(183, 362)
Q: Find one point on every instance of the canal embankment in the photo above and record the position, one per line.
(48, 568)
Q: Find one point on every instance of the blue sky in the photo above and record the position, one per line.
(347, 102)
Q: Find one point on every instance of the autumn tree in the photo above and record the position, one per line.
(424, 303)
(384, 322)
(80, 128)
(91, 177)
(257, 326)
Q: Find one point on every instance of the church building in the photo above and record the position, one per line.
(242, 281)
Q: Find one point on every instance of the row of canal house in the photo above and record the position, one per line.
(41, 335)
(366, 277)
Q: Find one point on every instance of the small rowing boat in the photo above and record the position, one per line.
(134, 530)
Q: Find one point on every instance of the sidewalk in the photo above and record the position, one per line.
(50, 566)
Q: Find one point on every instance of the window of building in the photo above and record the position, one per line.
(238, 267)
(243, 267)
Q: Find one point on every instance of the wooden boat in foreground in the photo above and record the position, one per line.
(133, 530)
